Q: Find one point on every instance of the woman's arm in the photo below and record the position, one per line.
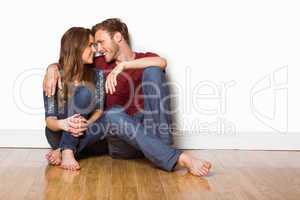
(75, 124)
(55, 124)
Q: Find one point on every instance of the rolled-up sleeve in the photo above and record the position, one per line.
(50, 105)
(99, 96)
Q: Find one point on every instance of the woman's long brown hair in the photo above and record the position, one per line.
(73, 43)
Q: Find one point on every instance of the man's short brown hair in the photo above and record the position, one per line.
(112, 26)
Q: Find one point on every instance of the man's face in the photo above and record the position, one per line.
(106, 45)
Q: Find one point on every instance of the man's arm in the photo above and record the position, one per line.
(145, 62)
(141, 63)
(51, 78)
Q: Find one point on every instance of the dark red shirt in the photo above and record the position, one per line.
(128, 92)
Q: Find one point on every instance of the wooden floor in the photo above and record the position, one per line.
(24, 174)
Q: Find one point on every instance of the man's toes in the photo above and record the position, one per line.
(198, 173)
(204, 173)
(205, 169)
(207, 164)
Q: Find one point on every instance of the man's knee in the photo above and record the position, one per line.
(115, 109)
(153, 74)
(114, 113)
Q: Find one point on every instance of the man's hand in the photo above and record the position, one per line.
(51, 78)
(111, 79)
(76, 125)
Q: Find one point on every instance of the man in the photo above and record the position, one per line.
(142, 125)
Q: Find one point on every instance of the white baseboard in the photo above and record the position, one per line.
(23, 138)
(262, 141)
(245, 141)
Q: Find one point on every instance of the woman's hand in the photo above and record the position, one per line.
(111, 79)
(76, 125)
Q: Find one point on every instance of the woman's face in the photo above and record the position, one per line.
(89, 51)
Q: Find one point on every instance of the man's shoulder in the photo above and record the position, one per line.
(145, 54)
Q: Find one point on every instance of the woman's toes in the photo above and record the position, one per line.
(77, 166)
(74, 167)
(51, 160)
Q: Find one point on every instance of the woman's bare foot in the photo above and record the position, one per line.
(195, 166)
(54, 157)
(68, 160)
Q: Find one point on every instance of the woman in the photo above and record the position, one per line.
(78, 104)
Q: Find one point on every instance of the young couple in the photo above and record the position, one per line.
(118, 103)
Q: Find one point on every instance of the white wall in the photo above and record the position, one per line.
(234, 65)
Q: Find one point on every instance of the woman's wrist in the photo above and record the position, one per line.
(63, 124)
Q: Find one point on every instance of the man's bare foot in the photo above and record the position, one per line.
(68, 160)
(195, 166)
(54, 157)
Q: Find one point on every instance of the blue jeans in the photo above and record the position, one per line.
(148, 132)
(82, 102)
(155, 118)
(116, 122)
(156, 115)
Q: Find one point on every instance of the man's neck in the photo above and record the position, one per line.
(125, 54)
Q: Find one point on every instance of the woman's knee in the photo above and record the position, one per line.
(82, 97)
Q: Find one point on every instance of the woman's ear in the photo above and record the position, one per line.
(118, 37)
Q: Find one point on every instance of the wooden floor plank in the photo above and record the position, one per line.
(148, 182)
(124, 182)
(25, 174)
